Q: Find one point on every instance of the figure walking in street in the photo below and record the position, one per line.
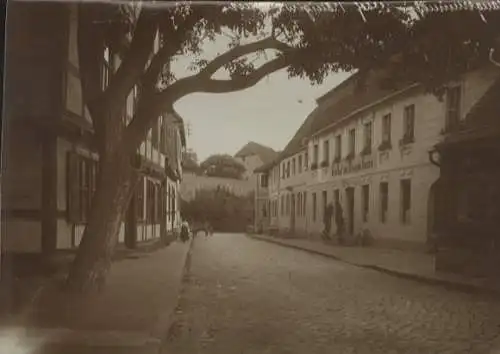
(327, 220)
(339, 221)
(184, 231)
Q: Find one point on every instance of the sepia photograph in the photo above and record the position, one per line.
(202, 177)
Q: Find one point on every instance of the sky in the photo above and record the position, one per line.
(268, 113)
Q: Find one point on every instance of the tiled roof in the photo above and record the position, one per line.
(265, 153)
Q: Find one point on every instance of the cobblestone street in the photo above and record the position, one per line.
(247, 296)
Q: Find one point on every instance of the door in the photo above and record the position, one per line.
(292, 214)
(350, 210)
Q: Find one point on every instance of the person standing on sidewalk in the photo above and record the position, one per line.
(327, 220)
(339, 221)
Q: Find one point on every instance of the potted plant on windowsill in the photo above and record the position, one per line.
(314, 166)
(406, 140)
(385, 145)
(324, 164)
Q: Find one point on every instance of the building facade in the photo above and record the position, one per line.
(468, 240)
(368, 147)
(50, 155)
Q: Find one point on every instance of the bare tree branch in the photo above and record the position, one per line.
(168, 49)
(243, 82)
(163, 101)
(242, 50)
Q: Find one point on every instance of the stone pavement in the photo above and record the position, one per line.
(245, 296)
(408, 264)
(131, 314)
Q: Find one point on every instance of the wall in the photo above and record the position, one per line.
(22, 190)
(409, 161)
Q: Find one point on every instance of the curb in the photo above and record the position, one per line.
(163, 325)
(450, 285)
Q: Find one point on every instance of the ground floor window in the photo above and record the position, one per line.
(81, 186)
(139, 201)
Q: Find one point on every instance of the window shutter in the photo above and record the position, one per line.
(72, 183)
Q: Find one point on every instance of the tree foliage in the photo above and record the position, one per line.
(222, 209)
(222, 165)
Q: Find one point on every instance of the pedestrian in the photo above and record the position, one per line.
(339, 221)
(327, 220)
(184, 231)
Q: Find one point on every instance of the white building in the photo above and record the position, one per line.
(50, 154)
(367, 147)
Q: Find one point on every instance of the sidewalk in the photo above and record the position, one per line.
(130, 315)
(411, 265)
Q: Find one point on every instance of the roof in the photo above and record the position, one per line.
(482, 120)
(485, 111)
(353, 94)
(265, 153)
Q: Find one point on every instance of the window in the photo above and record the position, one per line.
(300, 163)
(264, 181)
(155, 136)
(306, 160)
(409, 124)
(315, 154)
(293, 166)
(82, 180)
(405, 201)
(152, 212)
(314, 201)
(288, 204)
(106, 68)
(368, 137)
(352, 142)
(386, 129)
(384, 201)
(282, 205)
(283, 170)
(338, 147)
(453, 104)
(326, 153)
(365, 202)
(288, 169)
(140, 200)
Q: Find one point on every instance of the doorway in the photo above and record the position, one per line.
(349, 193)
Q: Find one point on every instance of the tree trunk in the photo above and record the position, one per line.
(117, 180)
